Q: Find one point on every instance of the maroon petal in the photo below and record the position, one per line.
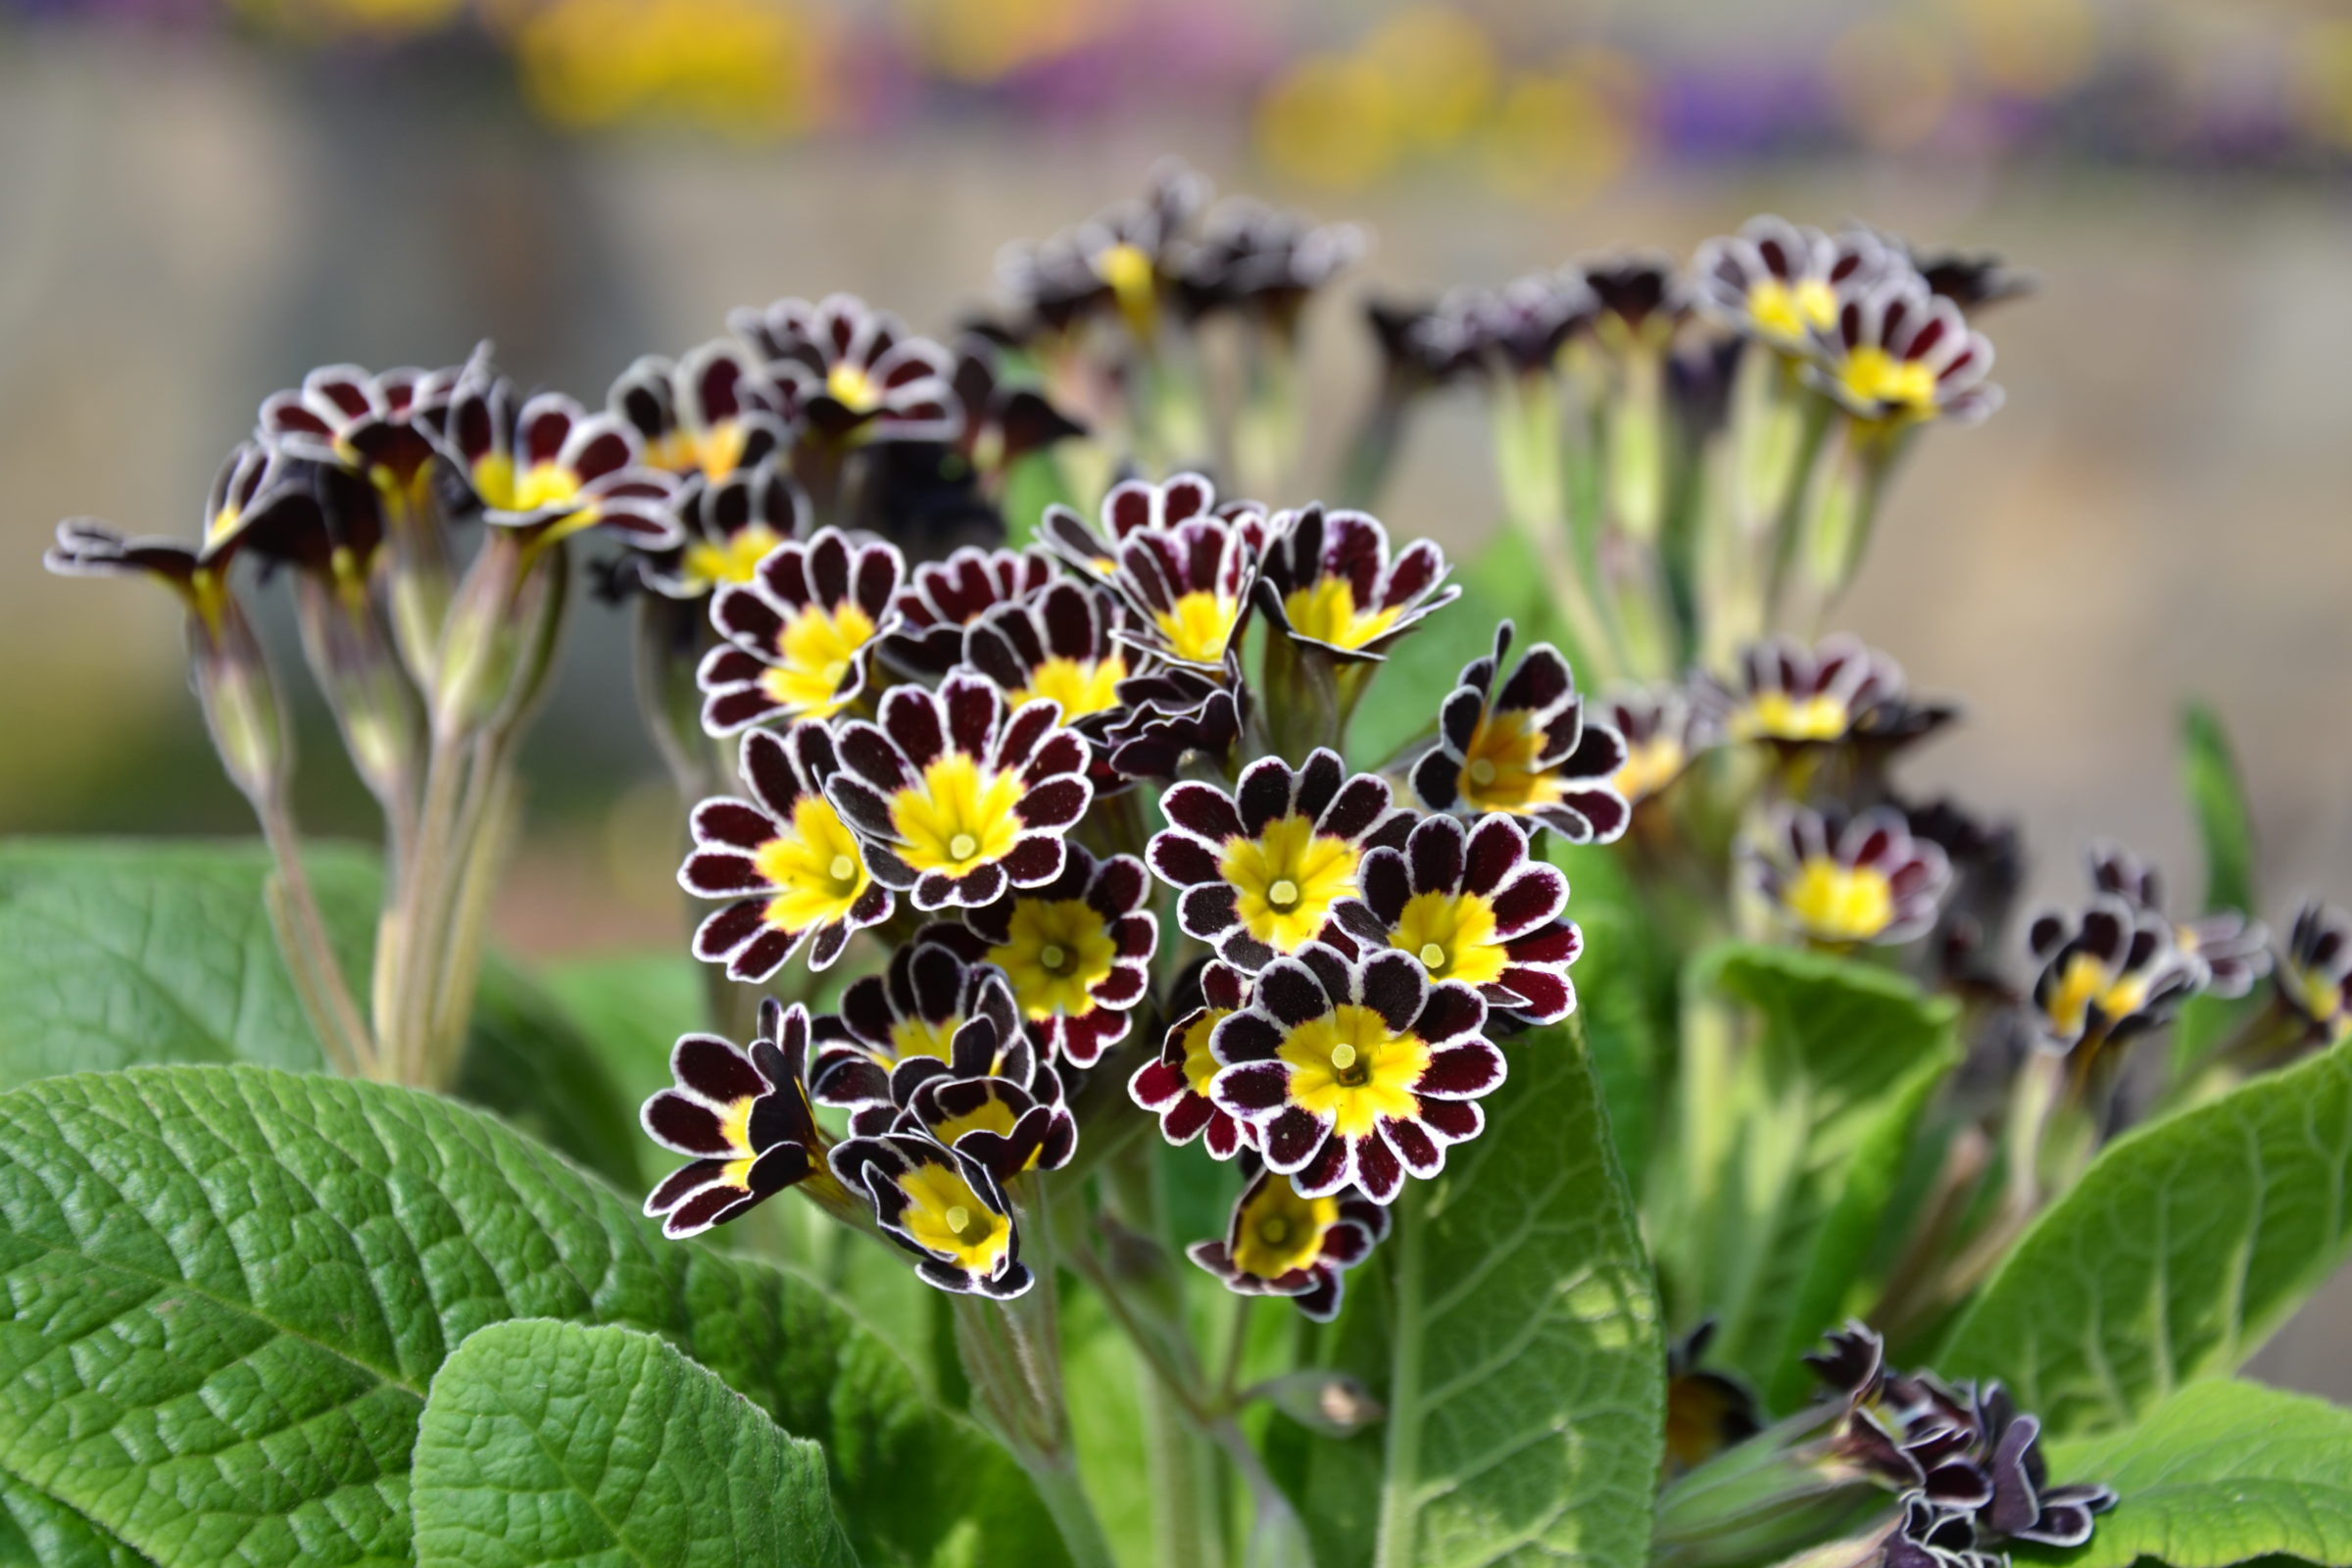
(1462, 1072)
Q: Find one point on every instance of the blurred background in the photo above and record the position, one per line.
(201, 199)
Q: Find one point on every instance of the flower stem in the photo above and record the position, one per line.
(310, 957)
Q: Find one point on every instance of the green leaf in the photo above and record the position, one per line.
(39, 1532)
(2217, 794)
(2219, 1473)
(630, 1008)
(123, 953)
(1524, 1368)
(1791, 1143)
(228, 1290)
(2186, 1244)
(546, 1444)
(1618, 996)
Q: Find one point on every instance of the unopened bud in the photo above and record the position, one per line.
(1330, 1402)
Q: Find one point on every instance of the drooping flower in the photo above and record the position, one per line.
(1172, 713)
(956, 797)
(712, 412)
(1264, 869)
(1525, 750)
(1638, 301)
(1184, 564)
(1473, 905)
(1076, 951)
(1523, 325)
(1899, 354)
(2234, 949)
(1263, 260)
(2025, 1506)
(381, 425)
(1327, 581)
(1279, 1241)
(915, 1013)
(1972, 279)
(942, 598)
(743, 1118)
(1117, 259)
(728, 527)
(1174, 1085)
(801, 633)
(1425, 346)
(1844, 881)
(944, 1206)
(851, 372)
(792, 869)
(1059, 643)
(1664, 731)
(1356, 1071)
(1782, 285)
(2315, 972)
(1789, 695)
(2107, 973)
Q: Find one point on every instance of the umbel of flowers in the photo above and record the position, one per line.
(1014, 689)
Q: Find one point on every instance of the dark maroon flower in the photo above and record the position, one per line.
(714, 413)
(1356, 1071)
(1116, 261)
(942, 598)
(1789, 695)
(1281, 1241)
(1897, 353)
(1327, 581)
(548, 468)
(1077, 951)
(851, 372)
(1003, 423)
(1184, 564)
(380, 425)
(2108, 974)
(1172, 713)
(2314, 973)
(1780, 284)
(1174, 1085)
(1062, 644)
(902, 1026)
(728, 528)
(1260, 258)
(1663, 731)
(1525, 750)
(1840, 882)
(2234, 949)
(943, 1206)
(742, 1117)
(802, 633)
(2025, 1506)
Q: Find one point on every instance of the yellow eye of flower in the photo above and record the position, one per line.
(814, 652)
(1779, 716)
(1200, 1066)
(1199, 625)
(719, 449)
(1499, 770)
(544, 484)
(1872, 375)
(852, 388)
(1129, 272)
(944, 1216)
(1347, 1067)
(732, 560)
(1649, 767)
(1785, 312)
(1452, 934)
(956, 816)
(922, 1037)
(990, 1116)
(1325, 610)
(2084, 983)
(817, 865)
(1056, 953)
(494, 482)
(1288, 879)
(1836, 903)
(1080, 686)
(1281, 1231)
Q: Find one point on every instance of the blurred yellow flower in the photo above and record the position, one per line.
(1334, 120)
(1441, 64)
(754, 68)
(985, 40)
(2321, 87)
(1567, 130)
(1890, 77)
(2032, 48)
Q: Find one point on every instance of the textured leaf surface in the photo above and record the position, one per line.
(1793, 1154)
(1524, 1372)
(2219, 1473)
(2182, 1249)
(547, 1443)
(39, 1532)
(226, 1290)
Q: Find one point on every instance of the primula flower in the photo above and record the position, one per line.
(1638, 301)
(1279, 1241)
(1840, 883)
(380, 425)
(1264, 869)
(785, 858)
(1253, 257)
(1663, 729)
(851, 372)
(1060, 644)
(1706, 1411)
(728, 528)
(742, 1117)
(1524, 324)
(1173, 713)
(1355, 1072)
(1001, 423)
(801, 632)
(1327, 581)
(1525, 750)
(1076, 951)
(714, 413)
(1425, 346)
(2235, 950)
(2023, 1505)
(1118, 259)
(1898, 354)
(1174, 1085)
(956, 797)
(1007, 1128)
(942, 598)
(1927, 1536)
(943, 1206)
(1186, 565)
(1473, 905)
(550, 469)
(915, 1014)
(1973, 280)
(2314, 973)
(1790, 695)
(2107, 973)
(1782, 285)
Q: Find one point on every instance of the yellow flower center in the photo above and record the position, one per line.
(1651, 766)
(718, 450)
(1499, 771)
(1347, 1067)
(1872, 375)
(1325, 610)
(1200, 1066)
(2085, 982)
(815, 650)
(1288, 879)
(817, 865)
(1129, 272)
(1836, 903)
(1779, 716)
(944, 1216)
(1281, 1231)
(1199, 625)
(922, 1037)
(1056, 953)
(732, 560)
(544, 484)
(1452, 934)
(1786, 313)
(992, 1115)
(1082, 686)
(957, 817)
(2319, 997)
(852, 388)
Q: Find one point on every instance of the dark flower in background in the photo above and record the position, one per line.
(2234, 949)
(1174, 1085)
(1663, 731)
(1973, 280)
(1898, 352)
(1001, 423)
(1524, 324)
(728, 528)
(1782, 285)
(801, 633)
(1279, 1241)
(1473, 903)
(1355, 1072)
(1185, 565)
(742, 1117)
(712, 412)
(1706, 1412)
(2315, 972)
(851, 372)
(1429, 345)
(944, 597)
(1790, 695)
(1525, 750)
(1174, 712)
(1327, 581)
(1637, 300)
(1119, 260)
(1988, 872)
(955, 797)
(944, 1206)
(2107, 973)
(1264, 869)
(551, 463)
(1257, 258)
(1077, 951)
(1838, 882)
(792, 869)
